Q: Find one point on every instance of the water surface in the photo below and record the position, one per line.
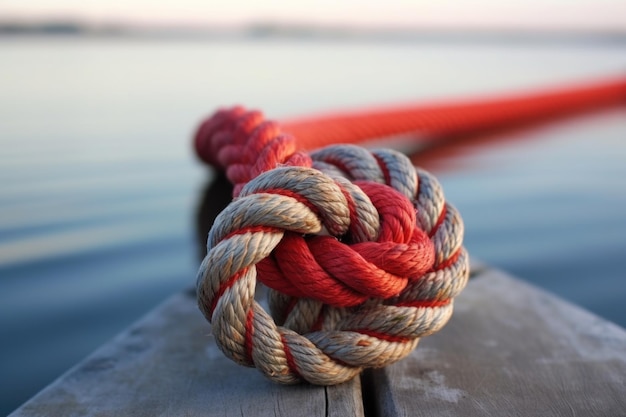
(99, 187)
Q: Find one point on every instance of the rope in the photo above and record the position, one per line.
(362, 254)
(458, 117)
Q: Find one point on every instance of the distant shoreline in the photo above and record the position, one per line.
(271, 31)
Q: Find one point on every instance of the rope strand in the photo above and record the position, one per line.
(338, 233)
(361, 251)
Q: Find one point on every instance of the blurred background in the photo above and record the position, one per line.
(99, 188)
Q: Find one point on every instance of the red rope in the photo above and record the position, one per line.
(245, 145)
(458, 116)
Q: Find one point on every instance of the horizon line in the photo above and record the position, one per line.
(278, 27)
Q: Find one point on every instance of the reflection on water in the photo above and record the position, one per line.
(99, 189)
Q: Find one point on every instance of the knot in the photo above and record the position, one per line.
(331, 258)
(361, 252)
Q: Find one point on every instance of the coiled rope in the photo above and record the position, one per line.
(362, 254)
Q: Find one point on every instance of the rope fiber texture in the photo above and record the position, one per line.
(362, 254)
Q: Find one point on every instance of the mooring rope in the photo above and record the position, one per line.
(361, 251)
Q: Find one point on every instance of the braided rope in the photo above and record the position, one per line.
(362, 253)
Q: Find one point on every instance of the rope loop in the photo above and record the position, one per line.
(361, 252)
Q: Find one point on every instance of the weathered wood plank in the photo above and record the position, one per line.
(168, 365)
(510, 349)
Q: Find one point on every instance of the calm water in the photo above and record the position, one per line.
(99, 188)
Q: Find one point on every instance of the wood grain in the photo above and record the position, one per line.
(168, 365)
(509, 350)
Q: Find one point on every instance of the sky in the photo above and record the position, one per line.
(594, 15)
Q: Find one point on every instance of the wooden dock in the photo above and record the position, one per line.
(509, 350)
